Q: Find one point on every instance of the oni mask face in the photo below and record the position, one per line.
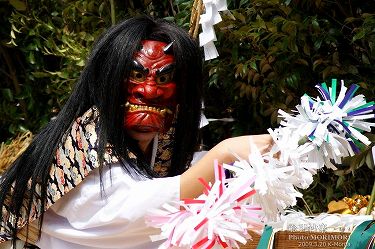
(151, 89)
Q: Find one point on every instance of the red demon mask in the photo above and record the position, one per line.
(151, 89)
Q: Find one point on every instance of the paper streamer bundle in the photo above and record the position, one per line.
(219, 217)
(327, 128)
(320, 130)
(332, 125)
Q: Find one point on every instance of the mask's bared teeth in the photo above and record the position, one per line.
(134, 107)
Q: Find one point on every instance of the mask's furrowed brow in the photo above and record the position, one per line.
(166, 69)
(138, 67)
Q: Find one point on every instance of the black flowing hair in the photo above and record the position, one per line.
(101, 84)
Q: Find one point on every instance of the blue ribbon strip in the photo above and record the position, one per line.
(265, 239)
(362, 237)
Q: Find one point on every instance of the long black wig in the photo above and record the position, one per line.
(100, 84)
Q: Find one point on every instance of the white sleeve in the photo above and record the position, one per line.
(83, 218)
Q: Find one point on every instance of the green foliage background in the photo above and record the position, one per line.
(271, 53)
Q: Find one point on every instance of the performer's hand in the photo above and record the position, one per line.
(241, 146)
(223, 152)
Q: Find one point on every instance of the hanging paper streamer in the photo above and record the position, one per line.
(208, 20)
(220, 216)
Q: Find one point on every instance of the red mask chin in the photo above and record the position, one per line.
(151, 89)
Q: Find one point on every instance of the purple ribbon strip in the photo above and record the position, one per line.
(348, 95)
(359, 111)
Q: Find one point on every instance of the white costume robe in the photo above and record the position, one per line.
(83, 219)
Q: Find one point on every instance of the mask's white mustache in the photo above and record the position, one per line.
(160, 110)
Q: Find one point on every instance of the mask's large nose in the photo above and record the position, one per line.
(148, 91)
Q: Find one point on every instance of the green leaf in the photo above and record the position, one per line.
(31, 58)
(12, 42)
(287, 2)
(318, 43)
(306, 49)
(253, 65)
(269, 111)
(40, 74)
(7, 93)
(367, 15)
(101, 8)
(178, 2)
(91, 6)
(340, 181)
(350, 19)
(326, 72)
(363, 85)
(238, 70)
(352, 69)
(169, 18)
(365, 59)
(63, 74)
(302, 62)
(18, 5)
(239, 16)
(266, 68)
(12, 34)
(329, 192)
(22, 128)
(15, 29)
(292, 45)
(370, 160)
(317, 63)
(80, 63)
(235, 54)
(31, 32)
(359, 35)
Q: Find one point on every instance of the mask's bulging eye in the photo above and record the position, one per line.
(137, 76)
(164, 78)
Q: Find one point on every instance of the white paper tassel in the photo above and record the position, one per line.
(208, 20)
(221, 216)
